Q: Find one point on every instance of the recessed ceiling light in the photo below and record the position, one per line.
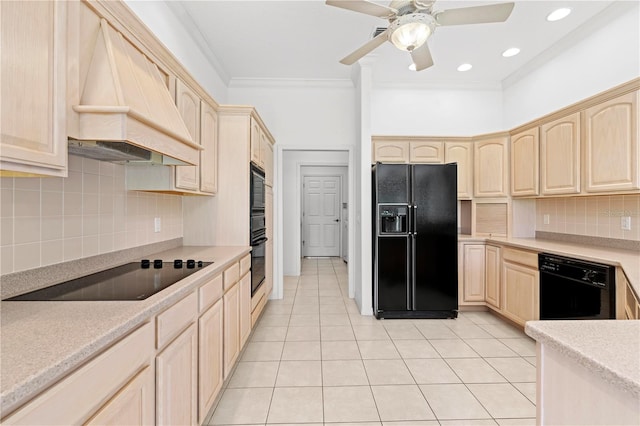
(558, 14)
(512, 51)
(412, 67)
(465, 67)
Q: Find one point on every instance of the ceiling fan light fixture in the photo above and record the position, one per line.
(411, 31)
(558, 14)
(465, 67)
(412, 67)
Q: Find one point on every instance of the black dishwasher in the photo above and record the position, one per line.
(575, 289)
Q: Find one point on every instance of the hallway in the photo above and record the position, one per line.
(313, 359)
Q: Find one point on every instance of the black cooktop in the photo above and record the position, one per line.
(132, 281)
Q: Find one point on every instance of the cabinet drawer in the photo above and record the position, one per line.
(245, 265)
(175, 319)
(231, 276)
(528, 258)
(255, 299)
(76, 398)
(258, 310)
(209, 293)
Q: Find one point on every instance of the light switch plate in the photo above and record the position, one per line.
(625, 223)
(545, 219)
(157, 226)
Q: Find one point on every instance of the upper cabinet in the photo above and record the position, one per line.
(491, 167)
(390, 151)
(462, 154)
(524, 163)
(188, 103)
(560, 156)
(33, 80)
(209, 153)
(426, 152)
(611, 154)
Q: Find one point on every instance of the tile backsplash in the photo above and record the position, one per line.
(590, 216)
(50, 220)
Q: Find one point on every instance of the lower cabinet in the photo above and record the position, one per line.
(245, 308)
(210, 358)
(114, 388)
(231, 309)
(520, 287)
(177, 381)
(473, 274)
(492, 276)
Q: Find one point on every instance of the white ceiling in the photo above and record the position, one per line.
(304, 40)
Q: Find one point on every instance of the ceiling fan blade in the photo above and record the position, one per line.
(422, 57)
(365, 48)
(475, 15)
(365, 7)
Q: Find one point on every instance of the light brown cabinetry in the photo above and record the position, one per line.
(267, 154)
(492, 276)
(491, 167)
(426, 152)
(631, 303)
(560, 156)
(268, 256)
(112, 388)
(231, 310)
(520, 285)
(256, 143)
(210, 357)
(525, 163)
(390, 151)
(33, 138)
(462, 154)
(245, 307)
(177, 363)
(188, 103)
(473, 274)
(611, 152)
(209, 153)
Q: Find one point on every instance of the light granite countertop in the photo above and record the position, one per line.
(44, 341)
(628, 260)
(607, 348)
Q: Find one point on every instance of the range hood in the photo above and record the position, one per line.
(126, 113)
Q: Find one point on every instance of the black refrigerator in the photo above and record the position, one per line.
(415, 236)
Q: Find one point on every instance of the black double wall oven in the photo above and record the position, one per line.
(258, 228)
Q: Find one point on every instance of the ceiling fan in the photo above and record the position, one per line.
(411, 22)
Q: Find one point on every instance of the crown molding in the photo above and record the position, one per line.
(189, 25)
(237, 83)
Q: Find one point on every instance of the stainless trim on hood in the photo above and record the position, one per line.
(126, 112)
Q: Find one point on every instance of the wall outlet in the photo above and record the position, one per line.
(157, 225)
(545, 219)
(625, 223)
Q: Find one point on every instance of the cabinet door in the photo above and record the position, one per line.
(177, 381)
(133, 405)
(268, 254)
(210, 358)
(462, 154)
(611, 154)
(390, 152)
(520, 287)
(188, 103)
(474, 274)
(255, 140)
(264, 141)
(525, 163)
(490, 168)
(426, 152)
(267, 156)
(33, 132)
(492, 276)
(209, 154)
(245, 308)
(231, 301)
(560, 156)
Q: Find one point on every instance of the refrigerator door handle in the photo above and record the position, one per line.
(415, 219)
(410, 273)
(413, 272)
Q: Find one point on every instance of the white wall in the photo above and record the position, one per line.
(313, 115)
(291, 199)
(435, 112)
(163, 22)
(607, 53)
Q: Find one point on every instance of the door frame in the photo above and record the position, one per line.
(279, 208)
(328, 173)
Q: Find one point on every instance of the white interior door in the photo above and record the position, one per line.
(321, 216)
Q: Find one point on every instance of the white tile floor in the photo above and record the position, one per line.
(314, 360)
